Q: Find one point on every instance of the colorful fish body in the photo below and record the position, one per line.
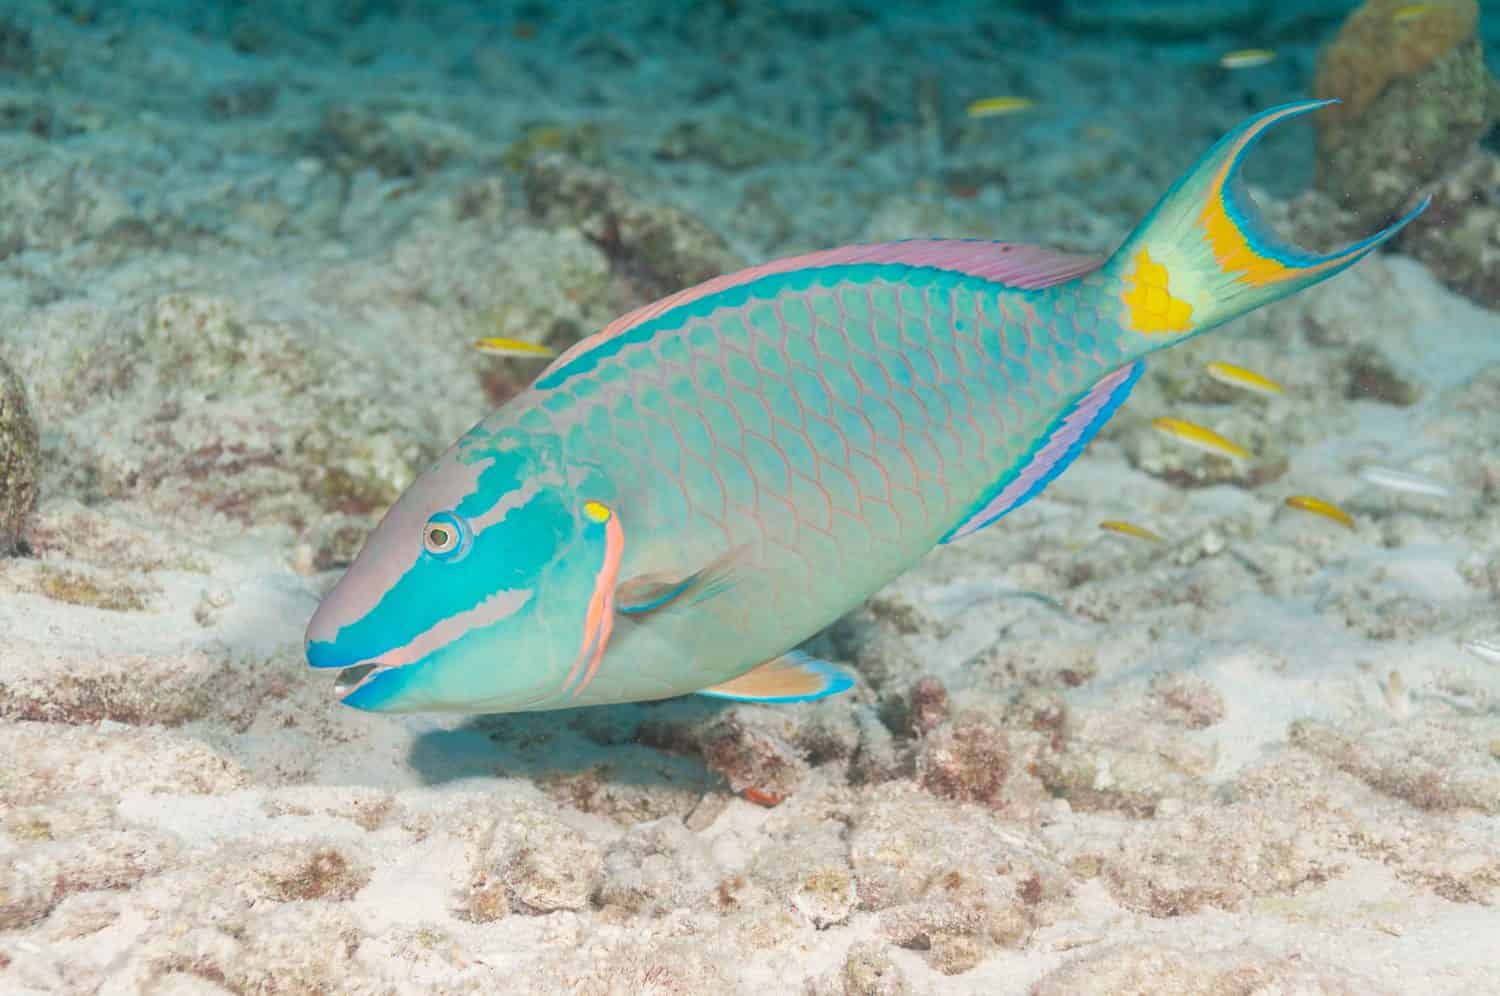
(681, 499)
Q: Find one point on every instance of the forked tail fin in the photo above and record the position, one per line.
(1204, 255)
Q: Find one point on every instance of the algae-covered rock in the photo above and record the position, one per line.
(583, 142)
(37, 877)
(657, 248)
(754, 749)
(1158, 968)
(17, 50)
(20, 460)
(1376, 46)
(869, 971)
(1121, 761)
(730, 143)
(1370, 376)
(547, 867)
(1415, 97)
(241, 99)
(1214, 856)
(46, 761)
(966, 761)
(914, 864)
(1420, 128)
(656, 868)
(392, 142)
(302, 872)
(1434, 766)
(1458, 237)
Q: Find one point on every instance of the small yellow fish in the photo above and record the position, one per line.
(1246, 58)
(1318, 506)
(1228, 373)
(1129, 529)
(1412, 11)
(992, 107)
(512, 347)
(1200, 438)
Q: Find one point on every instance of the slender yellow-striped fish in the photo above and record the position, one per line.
(1194, 435)
(1411, 12)
(1129, 529)
(993, 107)
(1246, 58)
(1249, 380)
(495, 346)
(1317, 506)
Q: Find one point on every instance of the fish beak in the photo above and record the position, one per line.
(351, 679)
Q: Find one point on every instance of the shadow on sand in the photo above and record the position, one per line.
(618, 739)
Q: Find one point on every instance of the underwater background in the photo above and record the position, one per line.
(1189, 722)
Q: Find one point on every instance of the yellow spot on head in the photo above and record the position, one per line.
(1149, 302)
(596, 511)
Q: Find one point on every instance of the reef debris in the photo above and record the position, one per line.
(20, 460)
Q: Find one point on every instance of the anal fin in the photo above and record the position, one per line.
(1059, 446)
(792, 677)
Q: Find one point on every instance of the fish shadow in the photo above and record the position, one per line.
(641, 744)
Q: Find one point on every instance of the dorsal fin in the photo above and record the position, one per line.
(1058, 447)
(1013, 264)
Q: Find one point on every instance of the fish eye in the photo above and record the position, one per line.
(596, 511)
(443, 535)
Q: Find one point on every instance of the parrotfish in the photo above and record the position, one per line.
(680, 500)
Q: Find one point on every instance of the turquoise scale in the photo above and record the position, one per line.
(834, 424)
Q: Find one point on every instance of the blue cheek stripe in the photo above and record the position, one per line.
(397, 683)
(434, 588)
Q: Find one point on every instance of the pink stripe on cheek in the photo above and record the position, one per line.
(500, 605)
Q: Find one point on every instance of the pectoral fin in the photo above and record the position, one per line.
(792, 677)
(647, 593)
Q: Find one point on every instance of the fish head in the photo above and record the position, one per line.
(475, 592)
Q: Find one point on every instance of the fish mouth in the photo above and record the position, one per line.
(351, 679)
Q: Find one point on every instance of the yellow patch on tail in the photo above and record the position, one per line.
(1149, 301)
